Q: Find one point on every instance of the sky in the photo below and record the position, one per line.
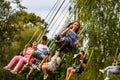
(42, 8)
(39, 7)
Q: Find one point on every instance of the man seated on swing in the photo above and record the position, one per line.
(111, 69)
(78, 67)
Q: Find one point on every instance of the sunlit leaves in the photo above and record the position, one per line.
(103, 30)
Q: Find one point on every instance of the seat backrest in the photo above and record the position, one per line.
(59, 44)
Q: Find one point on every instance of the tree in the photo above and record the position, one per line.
(102, 32)
(16, 29)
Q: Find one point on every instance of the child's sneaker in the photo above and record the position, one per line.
(102, 71)
(27, 77)
(6, 68)
(13, 72)
(45, 77)
(107, 78)
(38, 68)
(75, 55)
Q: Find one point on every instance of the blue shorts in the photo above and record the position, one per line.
(40, 54)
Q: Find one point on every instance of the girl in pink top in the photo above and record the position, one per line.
(21, 59)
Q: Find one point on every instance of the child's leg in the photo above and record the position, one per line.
(109, 67)
(30, 72)
(22, 69)
(68, 72)
(22, 61)
(112, 70)
(14, 60)
(44, 68)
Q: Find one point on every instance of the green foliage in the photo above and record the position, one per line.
(16, 29)
(100, 18)
(102, 33)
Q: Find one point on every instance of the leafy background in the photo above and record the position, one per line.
(100, 20)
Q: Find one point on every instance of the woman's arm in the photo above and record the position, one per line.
(83, 64)
(25, 49)
(57, 61)
(24, 52)
(65, 31)
(81, 37)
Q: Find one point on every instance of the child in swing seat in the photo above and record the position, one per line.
(52, 65)
(111, 69)
(78, 69)
(21, 59)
